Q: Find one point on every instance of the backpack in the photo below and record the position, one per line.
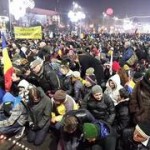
(49, 73)
(132, 60)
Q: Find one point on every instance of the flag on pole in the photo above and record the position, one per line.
(111, 62)
(8, 68)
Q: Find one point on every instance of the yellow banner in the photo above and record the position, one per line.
(28, 32)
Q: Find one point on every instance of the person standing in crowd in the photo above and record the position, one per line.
(39, 114)
(100, 105)
(139, 103)
(86, 61)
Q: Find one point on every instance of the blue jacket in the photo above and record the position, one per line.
(8, 97)
(127, 54)
(2, 93)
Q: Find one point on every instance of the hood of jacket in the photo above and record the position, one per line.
(8, 97)
(116, 79)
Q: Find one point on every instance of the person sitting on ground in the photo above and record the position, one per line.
(13, 115)
(98, 136)
(71, 127)
(39, 113)
(138, 138)
(100, 105)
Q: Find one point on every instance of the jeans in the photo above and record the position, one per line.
(9, 129)
(37, 137)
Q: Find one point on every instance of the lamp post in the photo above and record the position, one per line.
(76, 15)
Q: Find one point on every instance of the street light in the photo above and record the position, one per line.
(76, 14)
(18, 7)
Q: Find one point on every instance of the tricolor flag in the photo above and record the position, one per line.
(8, 68)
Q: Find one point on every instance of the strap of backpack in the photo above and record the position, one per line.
(29, 111)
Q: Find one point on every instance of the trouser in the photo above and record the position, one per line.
(12, 129)
(37, 137)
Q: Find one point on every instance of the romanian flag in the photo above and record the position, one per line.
(8, 68)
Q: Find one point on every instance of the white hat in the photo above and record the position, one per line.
(23, 83)
(76, 74)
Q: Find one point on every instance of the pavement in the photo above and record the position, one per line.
(21, 144)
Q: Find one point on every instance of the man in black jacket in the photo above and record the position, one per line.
(138, 138)
(45, 75)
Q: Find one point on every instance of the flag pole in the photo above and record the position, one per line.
(9, 1)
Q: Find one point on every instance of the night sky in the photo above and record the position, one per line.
(122, 8)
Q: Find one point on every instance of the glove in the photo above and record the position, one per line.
(34, 127)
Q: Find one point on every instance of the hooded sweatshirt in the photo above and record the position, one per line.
(114, 93)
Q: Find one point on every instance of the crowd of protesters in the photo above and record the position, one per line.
(89, 93)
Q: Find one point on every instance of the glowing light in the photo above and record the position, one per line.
(109, 11)
(18, 7)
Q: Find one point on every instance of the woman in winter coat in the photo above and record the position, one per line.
(40, 108)
(113, 86)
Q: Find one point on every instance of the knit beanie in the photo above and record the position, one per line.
(126, 67)
(60, 95)
(96, 89)
(90, 71)
(137, 76)
(90, 130)
(115, 66)
(91, 79)
(144, 129)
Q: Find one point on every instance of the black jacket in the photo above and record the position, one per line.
(87, 61)
(48, 79)
(70, 140)
(101, 110)
(122, 119)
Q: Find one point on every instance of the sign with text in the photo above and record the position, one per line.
(28, 32)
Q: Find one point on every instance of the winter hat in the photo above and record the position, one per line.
(90, 130)
(126, 67)
(60, 95)
(91, 79)
(76, 74)
(147, 75)
(137, 76)
(90, 71)
(36, 62)
(42, 44)
(115, 66)
(96, 89)
(144, 129)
